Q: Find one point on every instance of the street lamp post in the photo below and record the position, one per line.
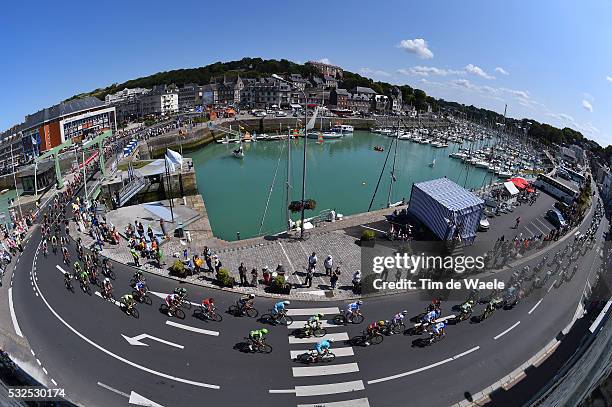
(280, 78)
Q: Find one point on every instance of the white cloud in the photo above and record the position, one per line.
(475, 70)
(374, 72)
(609, 79)
(418, 47)
(501, 70)
(587, 105)
(428, 70)
(324, 61)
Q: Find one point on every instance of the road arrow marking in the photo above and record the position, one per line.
(136, 340)
(139, 400)
(133, 397)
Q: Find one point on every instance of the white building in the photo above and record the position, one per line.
(160, 101)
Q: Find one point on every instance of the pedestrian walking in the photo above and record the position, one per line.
(333, 280)
(243, 276)
(328, 263)
(218, 264)
(312, 261)
(518, 220)
(309, 274)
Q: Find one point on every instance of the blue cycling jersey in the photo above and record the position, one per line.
(140, 285)
(323, 345)
(279, 306)
(353, 306)
(437, 327)
(431, 316)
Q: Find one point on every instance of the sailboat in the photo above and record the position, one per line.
(433, 163)
(239, 152)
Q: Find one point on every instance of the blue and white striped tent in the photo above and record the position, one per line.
(446, 208)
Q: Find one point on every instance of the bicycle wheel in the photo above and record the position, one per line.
(320, 332)
(358, 340)
(328, 357)
(164, 308)
(376, 339)
(134, 312)
(234, 310)
(268, 319)
(179, 313)
(285, 320)
(357, 319)
(185, 304)
(111, 275)
(215, 316)
(304, 358)
(339, 319)
(147, 300)
(251, 312)
(398, 328)
(265, 348)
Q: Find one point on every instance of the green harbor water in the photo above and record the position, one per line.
(341, 175)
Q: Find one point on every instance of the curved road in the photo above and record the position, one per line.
(80, 339)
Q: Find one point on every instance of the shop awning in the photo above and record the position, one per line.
(295, 106)
(510, 187)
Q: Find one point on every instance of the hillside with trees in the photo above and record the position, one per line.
(258, 67)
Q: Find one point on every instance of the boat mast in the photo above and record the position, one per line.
(393, 168)
(288, 184)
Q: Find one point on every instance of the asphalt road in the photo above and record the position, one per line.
(78, 338)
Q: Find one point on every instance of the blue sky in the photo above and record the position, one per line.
(554, 57)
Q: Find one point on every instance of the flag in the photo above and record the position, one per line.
(34, 142)
(174, 157)
(170, 164)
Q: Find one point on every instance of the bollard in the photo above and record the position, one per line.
(238, 235)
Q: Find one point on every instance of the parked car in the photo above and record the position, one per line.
(555, 217)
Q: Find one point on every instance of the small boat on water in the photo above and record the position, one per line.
(343, 129)
(238, 153)
(378, 148)
(433, 163)
(325, 135)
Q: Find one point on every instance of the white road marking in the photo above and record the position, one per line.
(287, 257)
(13, 315)
(60, 269)
(345, 403)
(343, 336)
(325, 370)
(302, 324)
(32, 352)
(312, 311)
(536, 226)
(437, 320)
(339, 352)
(535, 306)
(529, 230)
(163, 296)
(316, 292)
(507, 330)
(107, 387)
(467, 352)
(138, 340)
(120, 358)
(38, 361)
(544, 225)
(421, 369)
(99, 294)
(192, 329)
(45, 370)
(283, 391)
(331, 388)
(54, 382)
(597, 321)
(551, 286)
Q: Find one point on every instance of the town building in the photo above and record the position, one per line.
(330, 82)
(127, 103)
(380, 103)
(263, 93)
(339, 98)
(360, 99)
(189, 96)
(397, 101)
(327, 69)
(161, 101)
(228, 90)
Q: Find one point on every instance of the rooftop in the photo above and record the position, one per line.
(449, 194)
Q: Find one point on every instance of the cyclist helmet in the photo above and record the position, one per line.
(106, 280)
(211, 300)
(286, 302)
(359, 302)
(404, 313)
(330, 340)
(381, 323)
(251, 296)
(264, 331)
(319, 315)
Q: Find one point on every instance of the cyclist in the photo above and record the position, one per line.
(434, 305)
(181, 292)
(398, 319)
(208, 304)
(374, 328)
(437, 330)
(107, 287)
(257, 337)
(138, 276)
(44, 247)
(127, 301)
(280, 308)
(141, 287)
(54, 243)
(66, 255)
(313, 324)
(67, 278)
(322, 347)
(246, 301)
(431, 316)
(172, 301)
(354, 308)
(106, 265)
